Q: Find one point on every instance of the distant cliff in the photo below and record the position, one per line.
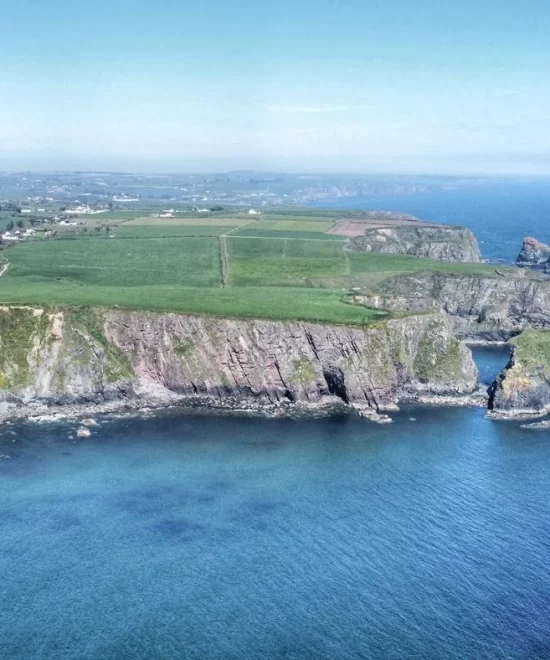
(440, 242)
(81, 355)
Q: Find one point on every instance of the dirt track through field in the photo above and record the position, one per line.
(223, 262)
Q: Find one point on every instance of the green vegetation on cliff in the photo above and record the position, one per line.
(83, 322)
(532, 351)
(436, 362)
(21, 331)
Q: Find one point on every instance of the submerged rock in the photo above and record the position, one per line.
(537, 426)
(83, 432)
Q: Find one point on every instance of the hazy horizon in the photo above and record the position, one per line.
(367, 88)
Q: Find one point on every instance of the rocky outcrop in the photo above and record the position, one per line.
(440, 242)
(523, 387)
(533, 254)
(77, 355)
(59, 356)
(492, 307)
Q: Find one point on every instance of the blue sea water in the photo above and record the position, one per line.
(500, 215)
(209, 536)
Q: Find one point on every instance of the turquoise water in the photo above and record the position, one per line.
(187, 536)
(499, 215)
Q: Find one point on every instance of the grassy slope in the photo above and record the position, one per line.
(283, 303)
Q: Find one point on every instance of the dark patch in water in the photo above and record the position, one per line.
(205, 499)
(9, 518)
(257, 514)
(260, 508)
(149, 501)
(68, 498)
(17, 465)
(177, 529)
(219, 485)
(263, 445)
(65, 522)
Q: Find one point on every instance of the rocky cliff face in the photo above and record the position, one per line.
(481, 307)
(533, 254)
(523, 387)
(441, 242)
(84, 355)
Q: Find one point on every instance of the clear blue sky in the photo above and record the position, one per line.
(325, 85)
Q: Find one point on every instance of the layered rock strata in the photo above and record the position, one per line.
(81, 355)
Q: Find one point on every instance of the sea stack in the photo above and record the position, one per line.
(533, 253)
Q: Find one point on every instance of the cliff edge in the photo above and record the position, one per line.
(78, 355)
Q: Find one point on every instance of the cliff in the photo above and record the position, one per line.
(481, 307)
(81, 355)
(440, 242)
(523, 387)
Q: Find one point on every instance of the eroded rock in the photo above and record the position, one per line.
(533, 253)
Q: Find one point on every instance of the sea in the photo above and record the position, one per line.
(209, 536)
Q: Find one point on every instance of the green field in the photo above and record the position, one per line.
(261, 262)
(270, 266)
(252, 232)
(111, 262)
(293, 225)
(168, 231)
(205, 221)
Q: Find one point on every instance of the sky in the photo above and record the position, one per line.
(359, 86)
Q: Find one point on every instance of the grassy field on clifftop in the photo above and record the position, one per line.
(275, 266)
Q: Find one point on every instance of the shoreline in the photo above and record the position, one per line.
(43, 411)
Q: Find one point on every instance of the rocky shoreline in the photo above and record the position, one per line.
(133, 407)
